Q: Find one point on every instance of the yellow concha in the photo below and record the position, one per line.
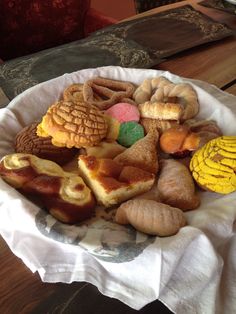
(214, 165)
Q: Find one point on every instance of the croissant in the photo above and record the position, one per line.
(151, 217)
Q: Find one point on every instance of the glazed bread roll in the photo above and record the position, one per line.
(179, 139)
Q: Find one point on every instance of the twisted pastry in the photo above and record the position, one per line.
(64, 194)
(110, 91)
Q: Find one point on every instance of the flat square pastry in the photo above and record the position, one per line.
(111, 182)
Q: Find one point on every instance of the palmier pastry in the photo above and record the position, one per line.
(27, 141)
(64, 194)
(73, 124)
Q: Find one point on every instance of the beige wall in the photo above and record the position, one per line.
(119, 9)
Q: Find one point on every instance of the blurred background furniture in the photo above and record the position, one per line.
(144, 5)
(28, 26)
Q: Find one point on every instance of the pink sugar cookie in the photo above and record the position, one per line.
(124, 112)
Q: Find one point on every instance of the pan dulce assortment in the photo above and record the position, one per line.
(138, 150)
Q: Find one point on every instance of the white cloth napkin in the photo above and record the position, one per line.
(191, 272)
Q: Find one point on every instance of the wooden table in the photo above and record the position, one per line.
(214, 63)
(23, 292)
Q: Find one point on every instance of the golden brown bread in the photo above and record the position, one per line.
(73, 124)
(176, 185)
(64, 194)
(151, 217)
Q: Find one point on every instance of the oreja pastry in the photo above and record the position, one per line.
(142, 154)
(214, 165)
(151, 217)
(64, 194)
(176, 186)
(73, 124)
(28, 142)
(112, 183)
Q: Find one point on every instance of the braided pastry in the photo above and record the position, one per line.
(64, 194)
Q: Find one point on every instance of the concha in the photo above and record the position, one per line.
(214, 165)
(73, 124)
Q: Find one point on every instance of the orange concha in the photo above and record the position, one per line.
(73, 124)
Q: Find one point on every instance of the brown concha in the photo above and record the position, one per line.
(27, 141)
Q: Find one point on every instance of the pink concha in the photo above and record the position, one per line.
(124, 112)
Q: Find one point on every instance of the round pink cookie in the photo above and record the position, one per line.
(124, 112)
